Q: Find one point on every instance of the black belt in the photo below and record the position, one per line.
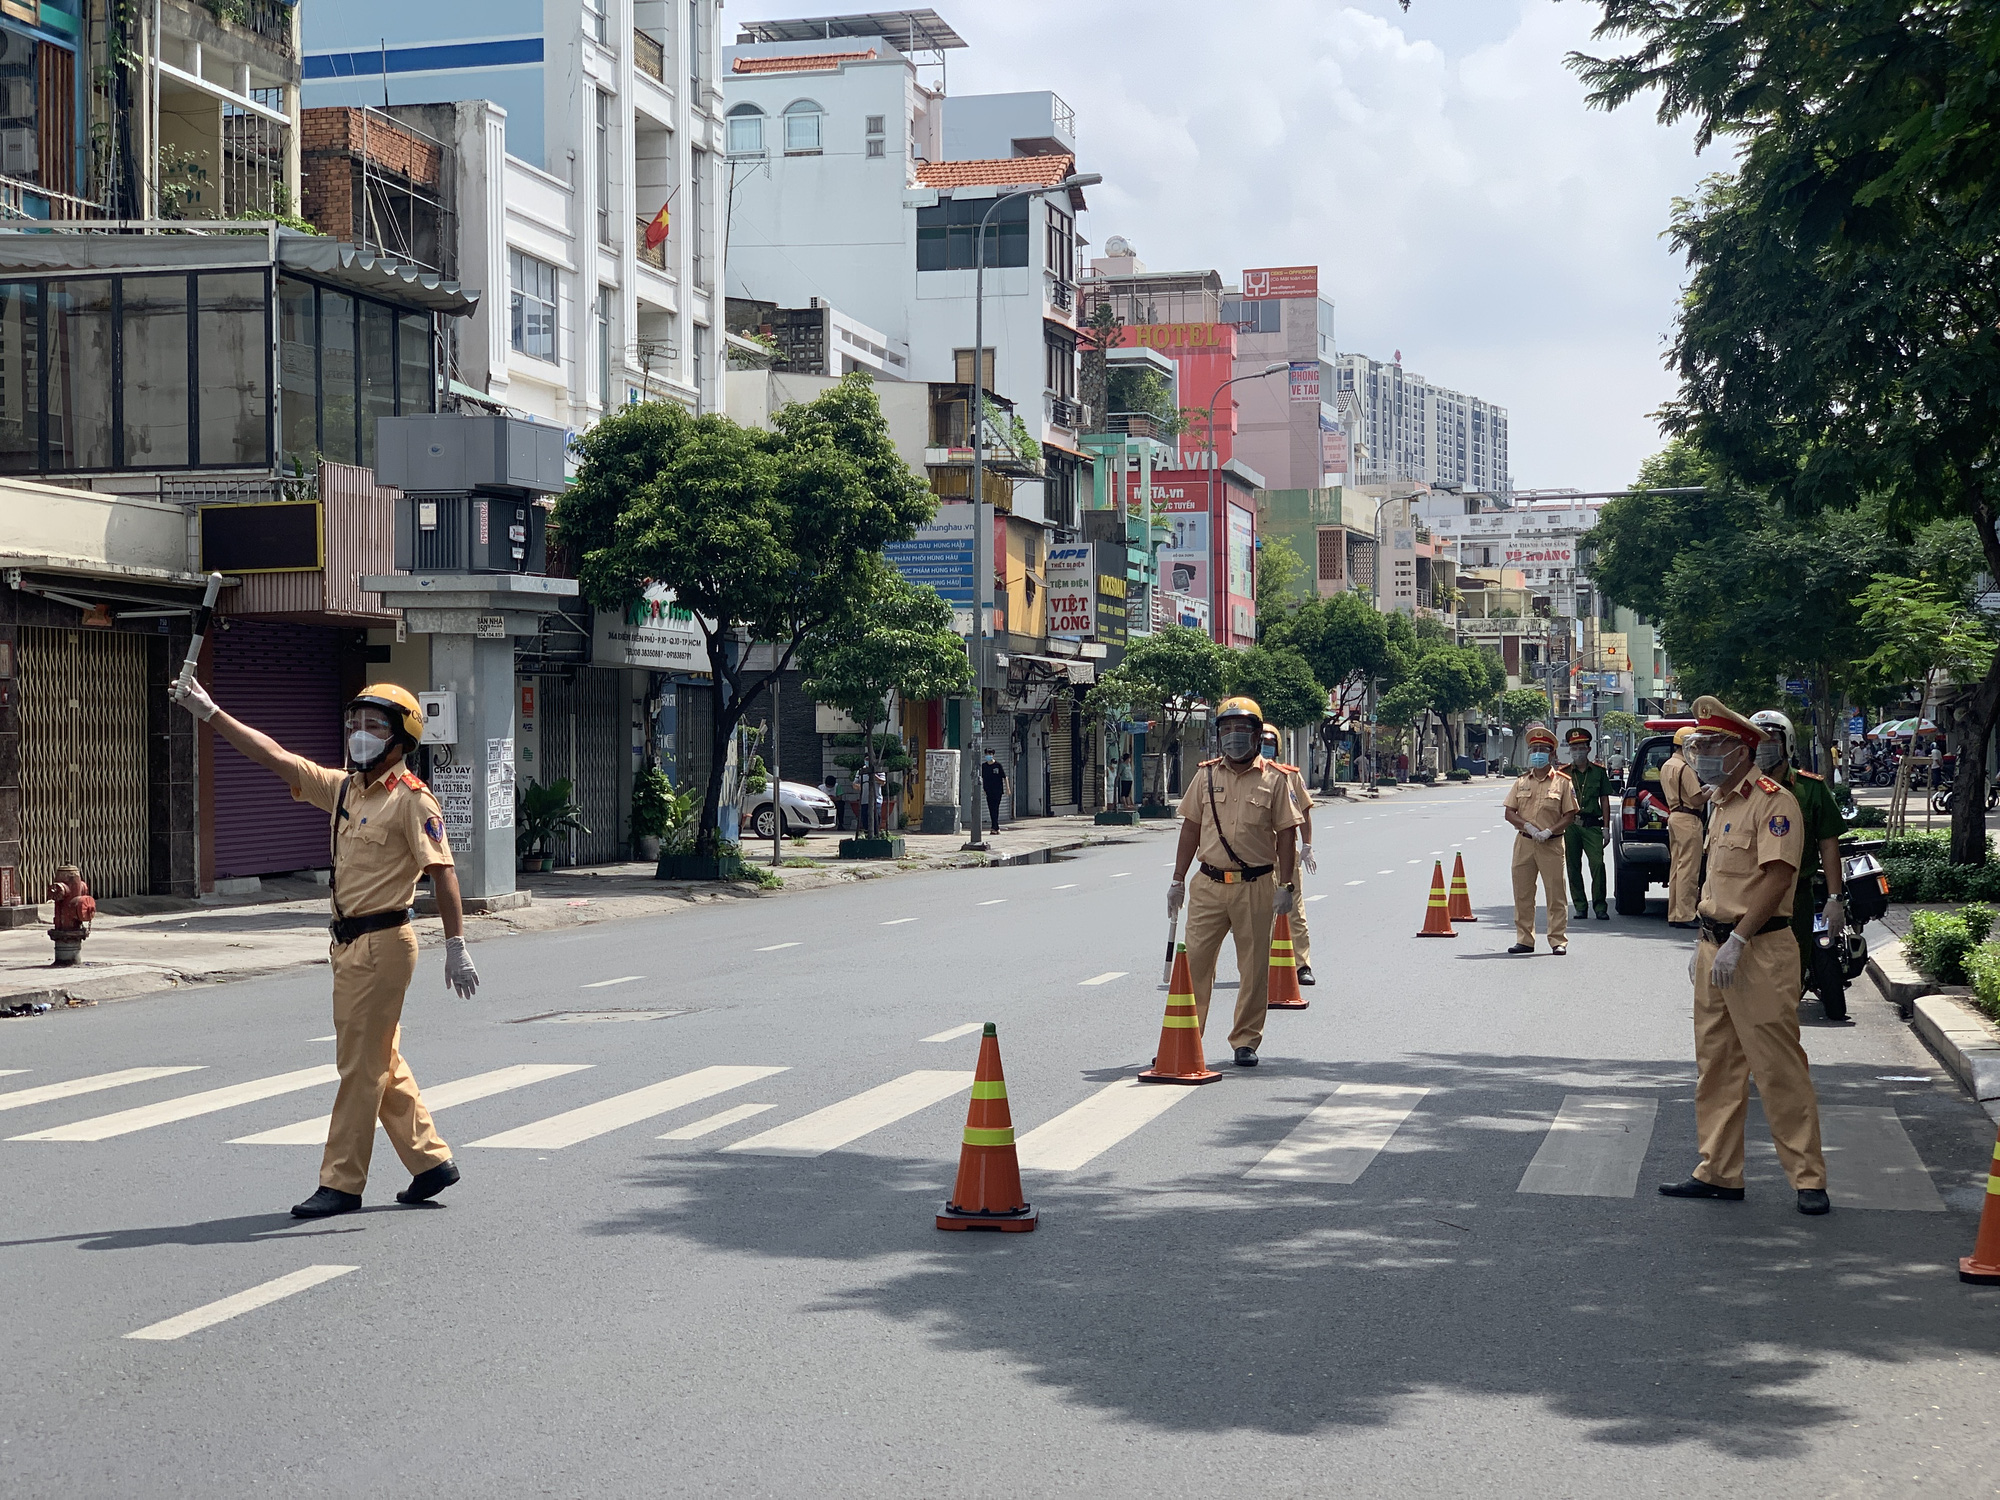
(1237, 877)
(1719, 932)
(1590, 822)
(346, 929)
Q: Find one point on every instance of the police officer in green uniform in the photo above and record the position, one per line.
(1823, 824)
(1585, 837)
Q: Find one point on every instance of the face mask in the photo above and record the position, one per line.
(1239, 744)
(1711, 768)
(1579, 755)
(1538, 759)
(364, 749)
(1769, 755)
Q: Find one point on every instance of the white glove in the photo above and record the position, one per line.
(1722, 973)
(1283, 902)
(458, 971)
(1836, 915)
(1306, 860)
(189, 695)
(1538, 834)
(1176, 894)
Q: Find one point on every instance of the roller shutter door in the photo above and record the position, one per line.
(284, 680)
(83, 759)
(580, 724)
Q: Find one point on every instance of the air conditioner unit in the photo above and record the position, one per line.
(18, 153)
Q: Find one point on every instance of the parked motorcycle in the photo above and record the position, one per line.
(1941, 798)
(1840, 957)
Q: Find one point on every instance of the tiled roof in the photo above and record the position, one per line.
(804, 62)
(1008, 171)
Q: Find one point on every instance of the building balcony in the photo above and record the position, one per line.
(1059, 299)
(649, 255)
(1065, 413)
(649, 56)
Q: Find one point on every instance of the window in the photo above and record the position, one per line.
(298, 367)
(604, 296)
(603, 173)
(1255, 315)
(534, 306)
(875, 146)
(947, 234)
(233, 395)
(746, 131)
(1061, 245)
(697, 214)
(1059, 360)
(701, 367)
(802, 128)
(698, 39)
(153, 311)
(874, 135)
(1059, 492)
(378, 373)
(339, 373)
(416, 388)
(961, 360)
(593, 22)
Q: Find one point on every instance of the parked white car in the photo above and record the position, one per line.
(806, 808)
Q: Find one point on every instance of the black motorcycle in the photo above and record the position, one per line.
(1941, 798)
(1839, 957)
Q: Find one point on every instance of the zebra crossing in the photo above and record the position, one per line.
(1593, 1145)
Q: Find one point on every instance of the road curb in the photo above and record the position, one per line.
(1901, 984)
(1966, 1043)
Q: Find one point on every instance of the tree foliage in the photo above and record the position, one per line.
(1520, 707)
(1172, 675)
(1280, 572)
(1342, 638)
(1282, 682)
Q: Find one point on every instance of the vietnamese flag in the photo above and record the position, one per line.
(656, 232)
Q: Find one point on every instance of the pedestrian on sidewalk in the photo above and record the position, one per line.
(993, 777)
(386, 831)
(1303, 802)
(1540, 805)
(1746, 971)
(1237, 816)
(1687, 800)
(1584, 838)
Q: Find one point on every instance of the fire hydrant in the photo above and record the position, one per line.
(74, 908)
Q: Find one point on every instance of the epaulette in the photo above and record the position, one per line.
(1766, 784)
(414, 783)
(1810, 775)
(1288, 770)
(1215, 762)
(1562, 771)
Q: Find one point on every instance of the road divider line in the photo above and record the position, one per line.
(9, 1072)
(1322, 895)
(1594, 1148)
(607, 1115)
(956, 1032)
(898, 921)
(443, 1096)
(709, 1124)
(1357, 882)
(208, 1315)
(1121, 874)
(43, 1093)
(1106, 978)
(827, 1129)
(1086, 1131)
(1871, 1163)
(103, 1127)
(326, 1038)
(776, 946)
(1337, 1141)
(605, 984)
(1070, 887)
(996, 901)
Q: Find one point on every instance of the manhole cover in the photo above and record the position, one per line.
(575, 1017)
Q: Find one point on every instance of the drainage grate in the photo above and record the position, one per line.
(575, 1017)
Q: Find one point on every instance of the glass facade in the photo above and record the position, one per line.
(948, 234)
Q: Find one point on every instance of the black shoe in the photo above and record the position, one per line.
(1684, 924)
(1246, 1057)
(1694, 1187)
(1583, 914)
(1557, 950)
(1306, 974)
(1522, 948)
(1603, 915)
(1814, 1201)
(325, 1203)
(427, 1185)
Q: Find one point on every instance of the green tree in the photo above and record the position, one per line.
(1282, 682)
(1171, 677)
(766, 536)
(1281, 572)
(1520, 707)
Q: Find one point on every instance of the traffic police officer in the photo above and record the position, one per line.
(1302, 800)
(1237, 815)
(1540, 805)
(387, 830)
(1823, 825)
(1584, 839)
(1746, 971)
(1685, 797)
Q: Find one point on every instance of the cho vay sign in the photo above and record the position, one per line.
(1072, 579)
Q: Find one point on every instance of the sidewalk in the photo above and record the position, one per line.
(142, 944)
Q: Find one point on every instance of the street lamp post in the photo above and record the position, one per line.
(971, 725)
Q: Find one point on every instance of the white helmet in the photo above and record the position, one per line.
(1776, 726)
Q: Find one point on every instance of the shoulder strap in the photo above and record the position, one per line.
(1215, 817)
(333, 844)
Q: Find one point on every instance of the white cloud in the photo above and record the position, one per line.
(1441, 168)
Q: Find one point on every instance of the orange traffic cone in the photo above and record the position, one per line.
(1179, 1059)
(1982, 1267)
(1460, 909)
(1284, 981)
(1437, 921)
(988, 1192)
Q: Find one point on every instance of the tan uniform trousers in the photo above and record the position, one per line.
(370, 976)
(1302, 938)
(1752, 1029)
(1242, 908)
(1684, 875)
(1532, 859)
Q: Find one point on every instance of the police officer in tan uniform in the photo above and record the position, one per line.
(1237, 815)
(387, 831)
(1540, 805)
(1302, 800)
(1746, 971)
(1685, 797)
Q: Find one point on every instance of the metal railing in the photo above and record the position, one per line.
(1064, 412)
(1062, 296)
(25, 202)
(649, 56)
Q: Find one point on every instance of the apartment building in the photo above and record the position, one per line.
(1409, 429)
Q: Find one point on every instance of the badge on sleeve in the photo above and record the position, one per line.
(434, 828)
(1780, 825)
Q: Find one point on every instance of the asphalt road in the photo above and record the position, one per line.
(1427, 1288)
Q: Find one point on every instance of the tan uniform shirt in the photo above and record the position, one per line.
(1301, 798)
(1252, 807)
(1755, 825)
(1542, 799)
(393, 832)
(1679, 786)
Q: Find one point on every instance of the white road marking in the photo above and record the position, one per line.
(444, 1096)
(326, 1038)
(1357, 882)
(1337, 1141)
(709, 1124)
(1385, 872)
(898, 921)
(996, 901)
(1121, 874)
(210, 1314)
(776, 946)
(11, 1071)
(1087, 1130)
(607, 1115)
(605, 984)
(1107, 977)
(103, 1127)
(1594, 1149)
(1870, 1162)
(1412, 861)
(826, 1129)
(956, 1032)
(43, 1093)
(1070, 887)
(1322, 895)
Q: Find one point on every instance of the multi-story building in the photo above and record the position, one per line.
(1408, 429)
(1288, 429)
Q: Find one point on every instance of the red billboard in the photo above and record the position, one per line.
(1280, 281)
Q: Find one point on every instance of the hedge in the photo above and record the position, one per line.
(1458, 776)
(1938, 942)
(1982, 968)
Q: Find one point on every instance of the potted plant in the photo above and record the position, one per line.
(547, 813)
(653, 811)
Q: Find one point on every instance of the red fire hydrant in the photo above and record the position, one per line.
(74, 908)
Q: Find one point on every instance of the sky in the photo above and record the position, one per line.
(1439, 166)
